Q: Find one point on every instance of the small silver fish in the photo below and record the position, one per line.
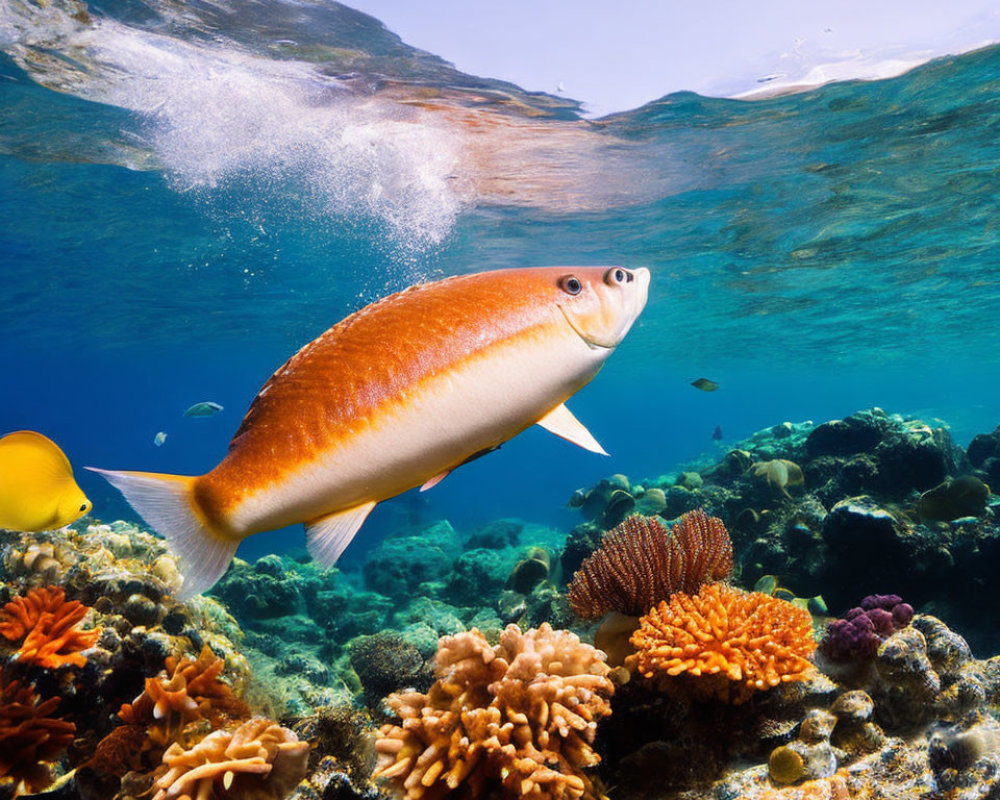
(159, 439)
(206, 409)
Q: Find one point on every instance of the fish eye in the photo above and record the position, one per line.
(83, 507)
(570, 284)
(617, 275)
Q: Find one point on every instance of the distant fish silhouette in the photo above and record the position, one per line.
(705, 385)
(206, 409)
(717, 434)
(159, 439)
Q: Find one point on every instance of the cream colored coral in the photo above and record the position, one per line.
(259, 760)
(522, 714)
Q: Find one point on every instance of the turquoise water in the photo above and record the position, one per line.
(191, 192)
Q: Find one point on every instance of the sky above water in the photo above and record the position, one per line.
(617, 56)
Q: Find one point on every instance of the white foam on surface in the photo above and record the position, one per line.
(215, 115)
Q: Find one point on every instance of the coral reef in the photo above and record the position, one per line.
(728, 643)
(858, 635)
(48, 625)
(30, 737)
(521, 715)
(188, 690)
(123, 692)
(259, 760)
(639, 564)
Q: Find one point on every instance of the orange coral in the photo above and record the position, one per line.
(29, 736)
(259, 760)
(640, 563)
(190, 690)
(731, 643)
(521, 716)
(48, 625)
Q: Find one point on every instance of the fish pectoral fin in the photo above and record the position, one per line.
(442, 475)
(328, 537)
(435, 480)
(561, 422)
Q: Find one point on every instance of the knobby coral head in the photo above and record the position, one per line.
(724, 642)
(640, 563)
(520, 716)
(48, 624)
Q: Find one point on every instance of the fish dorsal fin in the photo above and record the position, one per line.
(328, 537)
(435, 480)
(561, 422)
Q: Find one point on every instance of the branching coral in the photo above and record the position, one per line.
(190, 690)
(521, 715)
(259, 760)
(29, 736)
(639, 564)
(729, 643)
(48, 625)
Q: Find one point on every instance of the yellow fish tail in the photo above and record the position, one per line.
(167, 503)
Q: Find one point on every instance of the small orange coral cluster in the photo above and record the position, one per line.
(187, 691)
(520, 716)
(48, 625)
(733, 643)
(259, 760)
(640, 563)
(29, 736)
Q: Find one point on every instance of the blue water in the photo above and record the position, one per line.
(189, 194)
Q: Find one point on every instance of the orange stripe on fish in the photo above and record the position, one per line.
(395, 396)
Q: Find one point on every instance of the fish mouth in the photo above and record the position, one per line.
(591, 343)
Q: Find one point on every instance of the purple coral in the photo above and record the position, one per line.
(858, 635)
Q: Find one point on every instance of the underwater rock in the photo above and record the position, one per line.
(496, 535)
(400, 564)
(808, 757)
(385, 663)
(345, 612)
(866, 546)
(983, 446)
(530, 570)
(477, 574)
(858, 433)
(260, 591)
(956, 497)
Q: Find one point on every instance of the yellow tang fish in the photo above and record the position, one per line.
(37, 490)
(393, 397)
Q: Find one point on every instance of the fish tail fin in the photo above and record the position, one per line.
(168, 504)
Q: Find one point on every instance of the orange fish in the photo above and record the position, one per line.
(393, 397)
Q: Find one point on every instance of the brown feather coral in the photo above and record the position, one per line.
(727, 642)
(29, 736)
(48, 625)
(520, 716)
(640, 563)
(259, 760)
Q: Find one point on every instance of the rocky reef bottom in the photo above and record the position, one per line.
(714, 632)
